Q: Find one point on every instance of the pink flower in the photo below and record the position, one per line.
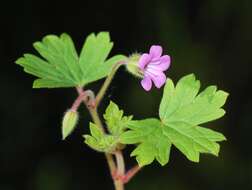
(153, 66)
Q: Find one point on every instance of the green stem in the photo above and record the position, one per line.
(118, 183)
(120, 170)
(92, 104)
(96, 118)
(120, 163)
(107, 83)
(94, 114)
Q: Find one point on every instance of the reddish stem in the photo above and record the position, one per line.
(78, 101)
(131, 173)
(126, 177)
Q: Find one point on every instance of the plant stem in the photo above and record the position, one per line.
(107, 83)
(78, 101)
(120, 170)
(96, 118)
(131, 173)
(92, 104)
(120, 163)
(118, 183)
(94, 114)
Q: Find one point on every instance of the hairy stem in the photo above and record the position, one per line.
(109, 157)
(96, 118)
(88, 101)
(107, 82)
(92, 104)
(78, 101)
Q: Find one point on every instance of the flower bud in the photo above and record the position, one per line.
(69, 122)
(132, 65)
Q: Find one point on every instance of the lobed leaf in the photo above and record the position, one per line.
(182, 103)
(152, 143)
(115, 120)
(99, 141)
(181, 110)
(193, 140)
(60, 65)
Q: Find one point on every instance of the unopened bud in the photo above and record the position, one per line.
(69, 122)
(132, 65)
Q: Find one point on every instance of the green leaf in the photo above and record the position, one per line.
(116, 123)
(193, 140)
(115, 120)
(93, 55)
(181, 103)
(60, 65)
(59, 52)
(181, 111)
(99, 141)
(153, 144)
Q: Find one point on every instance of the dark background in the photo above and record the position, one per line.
(211, 38)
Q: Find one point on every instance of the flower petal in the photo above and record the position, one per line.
(156, 51)
(159, 80)
(144, 60)
(165, 62)
(160, 65)
(146, 83)
(152, 70)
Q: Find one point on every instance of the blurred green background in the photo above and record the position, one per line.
(211, 38)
